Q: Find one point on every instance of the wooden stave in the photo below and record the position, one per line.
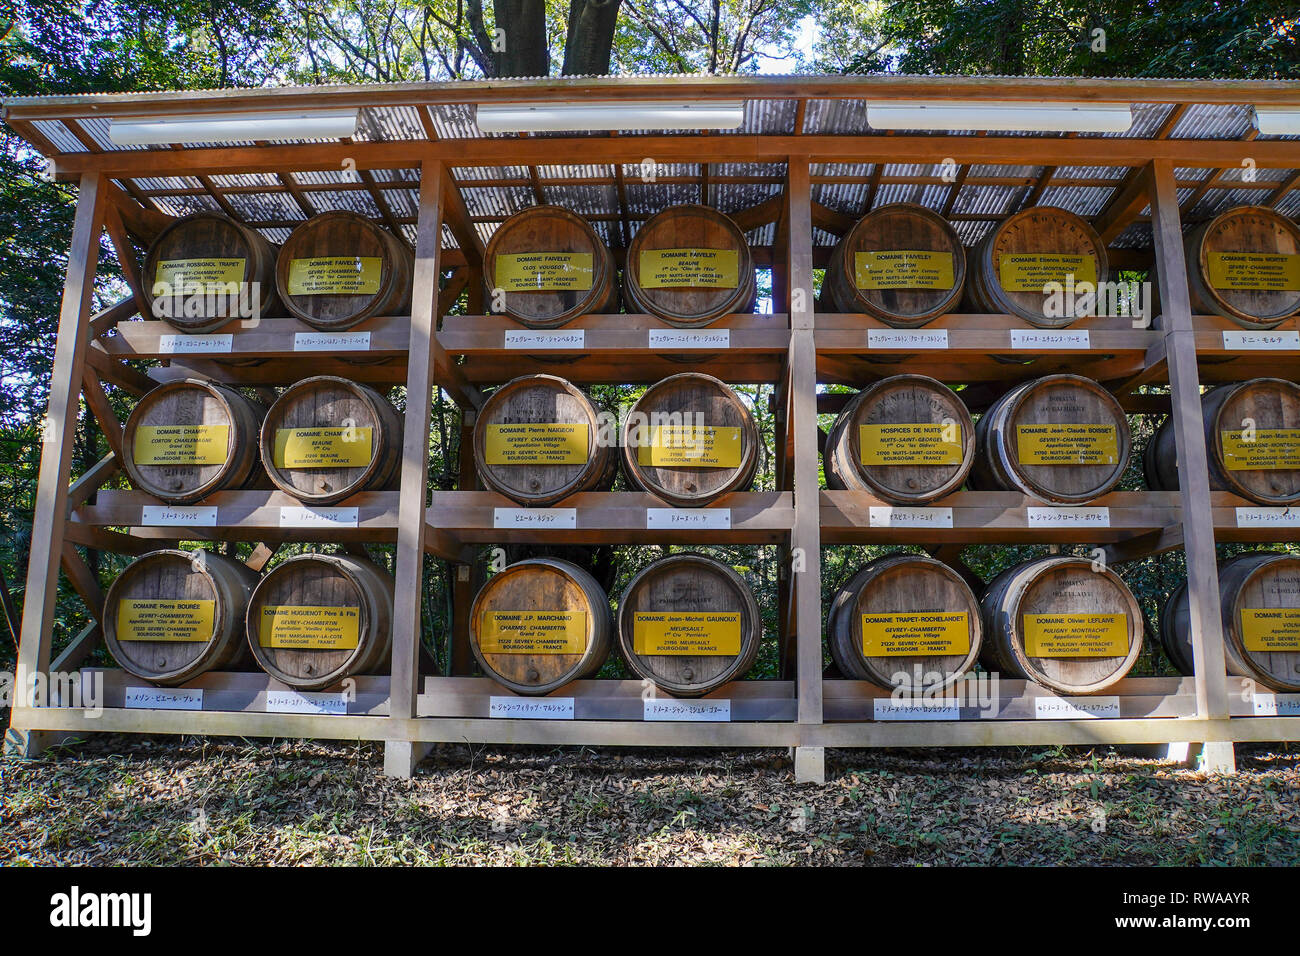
(231, 583)
(1160, 459)
(1204, 298)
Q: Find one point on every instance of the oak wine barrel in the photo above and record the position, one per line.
(907, 439)
(338, 269)
(907, 622)
(539, 624)
(1061, 439)
(185, 440)
(315, 619)
(198, 273)
(172, 615)
(326, 438)
(690, 439)
(1244, 264)
(689, 624)
(901, 263)
(1060, 623)
(546, 265)
(689, 265)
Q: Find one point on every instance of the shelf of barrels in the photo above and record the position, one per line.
(992, 407)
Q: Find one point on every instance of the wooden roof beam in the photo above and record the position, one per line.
(456, 217)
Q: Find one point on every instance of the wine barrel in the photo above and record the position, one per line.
(1013, 264)
(184, 440)
(906, 622)
(689, 265)
(907, 439)
(546, 265)
(1060, 623)
(688, 624)
(538, 440)
(199, 273)
(539, 624)
(172, 615)
(1259, 597)
(690, 440)
(339, 269)
(1244, 264)
(1061, 439)
(315, 619)
(326, 438)
(902, 264)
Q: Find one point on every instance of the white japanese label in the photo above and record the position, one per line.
(1080, 708)
(907, 338)
(1268, 517)
(164, 698)
(190, 516)
(531, 339)
(1276, 705)
(299, 517)
(667, 708)
(886, 708)
(191, 344)
(331, 341)
(534, 517)
(690, 338)
(1044, 339)
(305, 702)
(1261, 341)
(1068, 517)
(532, 708)
(890, 516)
(702, 518)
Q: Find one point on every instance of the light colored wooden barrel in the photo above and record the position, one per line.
(1244, 264)
(901, 263)
(539, 624)
(690, 439)
(209, 250)
(172, 615)
(339, 269)
(907, 439)
(185, 440)
(1061, 439)
(689, 624)
(689, 265)
(546, 265)
(907, 622)
(1059, 623)
(1259, 594)
(538, 439)
(315, 619)
(326, 438)
(1011, 265)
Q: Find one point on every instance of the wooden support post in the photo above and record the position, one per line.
(465, 578)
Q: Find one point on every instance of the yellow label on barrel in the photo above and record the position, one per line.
(297, 627)
(1264, 449)
(915, 634)
(163, 619)
(539, 443)
(694, 446)
(683, 633)
(1031, 272)
(1060, 444)
(903, 269)
(533, 632)
(909, 444)
(335, 275)
(180, 444)
(331, 447)
(1254, 271)
(1075, 635)
(544, 272)
(690, 268)
(183, 276)
(1270, 630)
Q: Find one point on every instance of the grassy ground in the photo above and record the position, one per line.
(127, 800)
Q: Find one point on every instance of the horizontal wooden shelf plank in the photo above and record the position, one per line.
(382, 337)
(243, 691)
(1226, 352)
(1238, 519)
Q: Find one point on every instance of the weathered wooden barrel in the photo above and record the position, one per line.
(185, 440)
(326, 438)
(1244, 264)
(315, 619)
(1062, 439)
(539, 624)
(1259, 594)
(339, 268)
(907, 439)
(1060, 623)
(1013, 265)
(689, 624)
(901, 263)
(690, 439)
(907, 622)
(198, 273)
(172, 615)
(689, 265)
(546, 265)
(538, 439)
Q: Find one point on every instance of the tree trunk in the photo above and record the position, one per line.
(590, 38)
(520, 45)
